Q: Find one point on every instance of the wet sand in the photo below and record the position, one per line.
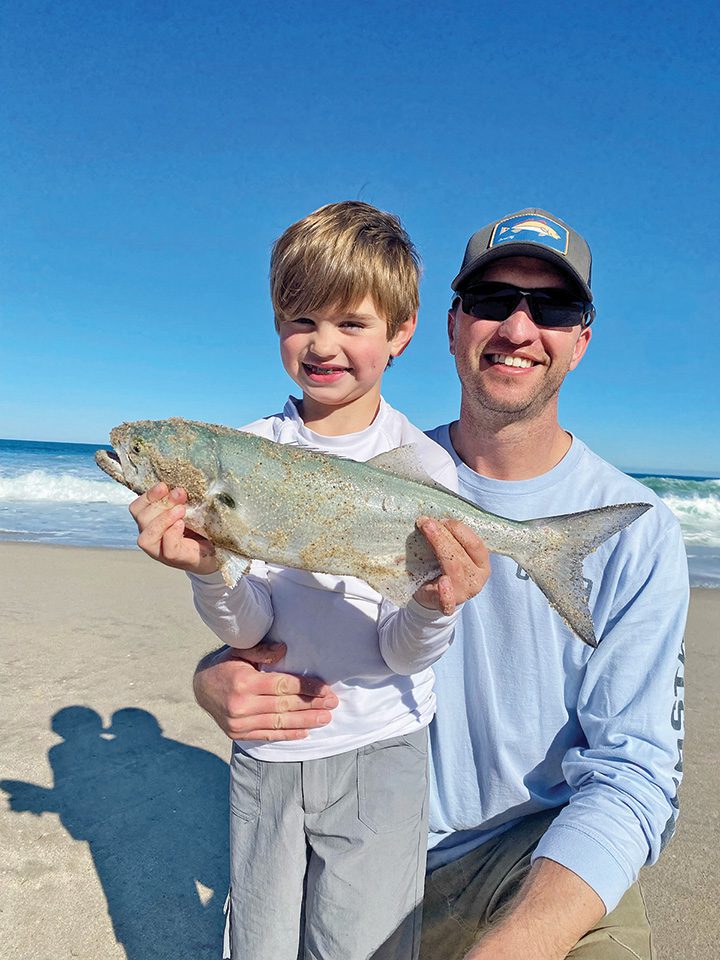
(114, 844)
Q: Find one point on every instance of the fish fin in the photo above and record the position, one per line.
(306, 446)
(401, 461)
(404, 462)
(398, 577)
(309, 448)
(397, 589)
(554, 561)
(232, 565)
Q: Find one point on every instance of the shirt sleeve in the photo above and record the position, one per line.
(412, 638)
(624, 805)
(240, 616)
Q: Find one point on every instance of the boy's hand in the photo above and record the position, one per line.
(159, 515)
(464, 561)
(248, 704)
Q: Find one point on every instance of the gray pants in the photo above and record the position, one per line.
(327, 857)
(463, 898)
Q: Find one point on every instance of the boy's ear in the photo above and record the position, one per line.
(403, 336)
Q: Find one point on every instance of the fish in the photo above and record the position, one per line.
(254, 498)
(535, 226)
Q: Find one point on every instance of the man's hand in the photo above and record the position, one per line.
(249, 705)
(464, 561)
(159, 515)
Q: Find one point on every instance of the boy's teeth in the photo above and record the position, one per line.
(511, 361)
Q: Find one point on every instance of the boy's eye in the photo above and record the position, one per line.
(302, 321)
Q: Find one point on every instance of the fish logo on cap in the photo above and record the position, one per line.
(531, 229)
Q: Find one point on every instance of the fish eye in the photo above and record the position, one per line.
(226, 499)
(136, 447)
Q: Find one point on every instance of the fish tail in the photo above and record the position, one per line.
(554, 553)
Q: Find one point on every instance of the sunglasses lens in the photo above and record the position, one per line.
(553, 309)
(558, 314)
(489, 307)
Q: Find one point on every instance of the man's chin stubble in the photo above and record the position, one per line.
(523, 408)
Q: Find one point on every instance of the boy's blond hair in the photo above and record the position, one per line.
(340, 254)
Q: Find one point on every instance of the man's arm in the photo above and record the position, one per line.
(552, 911)
(624, 780)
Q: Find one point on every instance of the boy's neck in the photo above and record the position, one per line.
(337, 421)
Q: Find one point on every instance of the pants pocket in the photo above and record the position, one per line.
(245, 777)
(392, 781)
(227, 932)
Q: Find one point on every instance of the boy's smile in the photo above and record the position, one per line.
(324, 374)
(337, 356)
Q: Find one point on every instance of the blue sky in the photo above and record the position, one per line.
(150, 152)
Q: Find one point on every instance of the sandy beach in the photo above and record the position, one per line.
(113, 803)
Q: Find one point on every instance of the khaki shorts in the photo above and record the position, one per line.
(464, 897)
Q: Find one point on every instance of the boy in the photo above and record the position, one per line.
(329, 832)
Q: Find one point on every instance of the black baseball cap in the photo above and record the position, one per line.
(528, 233)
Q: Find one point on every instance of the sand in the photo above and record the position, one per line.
(114, 843)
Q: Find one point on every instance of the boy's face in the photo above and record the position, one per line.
(338, 356)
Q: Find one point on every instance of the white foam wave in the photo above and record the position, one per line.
(39, 485)
(699, 519)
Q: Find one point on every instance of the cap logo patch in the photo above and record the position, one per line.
(531, 229)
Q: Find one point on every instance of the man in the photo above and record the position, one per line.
(554, 767)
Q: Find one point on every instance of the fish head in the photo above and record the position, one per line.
(195, 456)
(176, 452)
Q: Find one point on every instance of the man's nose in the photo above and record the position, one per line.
(519, 326)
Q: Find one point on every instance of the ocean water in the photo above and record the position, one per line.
(55, 493)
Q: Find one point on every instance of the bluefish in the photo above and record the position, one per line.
(301, 508)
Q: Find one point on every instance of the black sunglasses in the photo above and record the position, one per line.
(549, 307)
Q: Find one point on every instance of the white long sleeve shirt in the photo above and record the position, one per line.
(375, 656)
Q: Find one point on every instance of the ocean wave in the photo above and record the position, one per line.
(699, 519)
(39, 485)
(684, 488)
(696, 504)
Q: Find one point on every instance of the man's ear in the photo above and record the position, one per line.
(581, 345)
(451, 331)
(403, 336)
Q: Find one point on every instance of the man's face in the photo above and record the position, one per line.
(481, 347)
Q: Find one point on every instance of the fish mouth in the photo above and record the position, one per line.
(109, 463)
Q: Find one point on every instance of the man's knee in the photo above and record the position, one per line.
(621, 935)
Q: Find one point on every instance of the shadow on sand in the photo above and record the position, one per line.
(154, 813)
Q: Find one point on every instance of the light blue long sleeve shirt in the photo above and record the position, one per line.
(530, 718)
